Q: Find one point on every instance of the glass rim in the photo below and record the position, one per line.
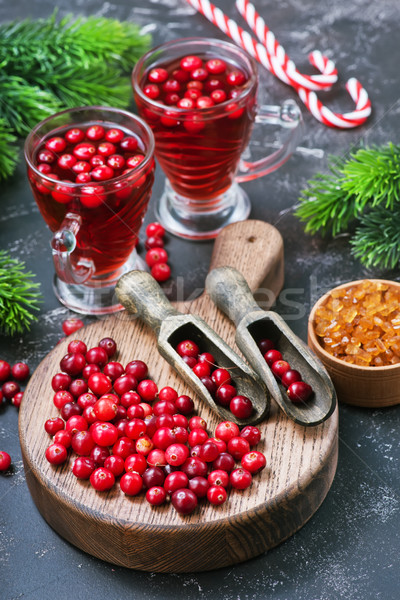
(205, 41)
(149, 156)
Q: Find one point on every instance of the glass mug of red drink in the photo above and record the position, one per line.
(91, 171)
(199, 96)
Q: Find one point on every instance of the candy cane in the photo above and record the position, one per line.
(344, 121)
(312, 82)
(277, 63)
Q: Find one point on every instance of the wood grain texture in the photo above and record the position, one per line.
(301, 461)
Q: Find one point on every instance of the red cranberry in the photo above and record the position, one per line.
(279, 368)
(56, 144)
(5, 370)
(252, 434)
(175, 481)
(271, 356)
(83, 467)
(265, 344)
(131, 483)
(138, 369)
(155, 228)
(299, 391)
(224, 462)
(53, 425)
(5, 460)
(225, 393)
(253, 461)
(221, 377)
(99, 383)
(240, 478)
(147, 389)
(77, 346)
(184, 405)
(113, 370)
(241, 407)
(9, 389)
(188, 348)
(216, 495)
(56, 454)
(153, 476)
(109, 345)
(99, 455)
(20, 371)
(102, 479)
(82, 443)
(156, 495)
(61, 381)
(238, 447)
(161, 272)
(226, 430)
(125, 383)
(188, 63)
(72, 364)
(199, 485)
(289, 377)
(184, 501)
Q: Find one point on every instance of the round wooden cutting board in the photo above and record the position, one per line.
(127, 531)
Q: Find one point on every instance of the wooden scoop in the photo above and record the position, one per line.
(140, 294)
(229, 291)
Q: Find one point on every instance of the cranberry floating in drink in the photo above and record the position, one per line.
(199, 97)
(91, 171)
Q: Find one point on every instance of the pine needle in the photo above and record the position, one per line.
(19, 295)
(376, 242)
(8, 151)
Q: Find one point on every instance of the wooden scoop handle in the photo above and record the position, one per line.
(140, 294)
(229, 290)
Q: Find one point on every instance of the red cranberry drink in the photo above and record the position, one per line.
(199, 98)
(91, 172)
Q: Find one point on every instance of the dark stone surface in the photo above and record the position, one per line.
(350, 547)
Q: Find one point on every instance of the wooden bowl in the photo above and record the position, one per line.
(371, 387)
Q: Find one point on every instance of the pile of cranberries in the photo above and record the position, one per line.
(297, 390)
(116, 425)
(11, 380)
(87, 155)
(217, 380)
(195, 83)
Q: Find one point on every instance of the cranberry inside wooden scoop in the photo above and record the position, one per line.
(140, 294)
(294, 375)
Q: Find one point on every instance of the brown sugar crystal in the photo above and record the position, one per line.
(360, 324)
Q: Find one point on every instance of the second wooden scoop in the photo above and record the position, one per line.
(140, 294)
(229, 290)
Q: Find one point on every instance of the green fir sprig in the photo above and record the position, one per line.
(19, 295)
(48, 65)
(362, 190)
(8, 151)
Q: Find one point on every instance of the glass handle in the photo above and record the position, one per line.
(63, 245)
(288, 116)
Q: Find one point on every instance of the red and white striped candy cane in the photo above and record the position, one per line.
(312, 82)
(277, 64)
(343, 121)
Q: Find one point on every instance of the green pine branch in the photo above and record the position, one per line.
(363, 189)
(325, 207)
(48, 65)
(8, 150)
(376, 241)
(19, 295)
